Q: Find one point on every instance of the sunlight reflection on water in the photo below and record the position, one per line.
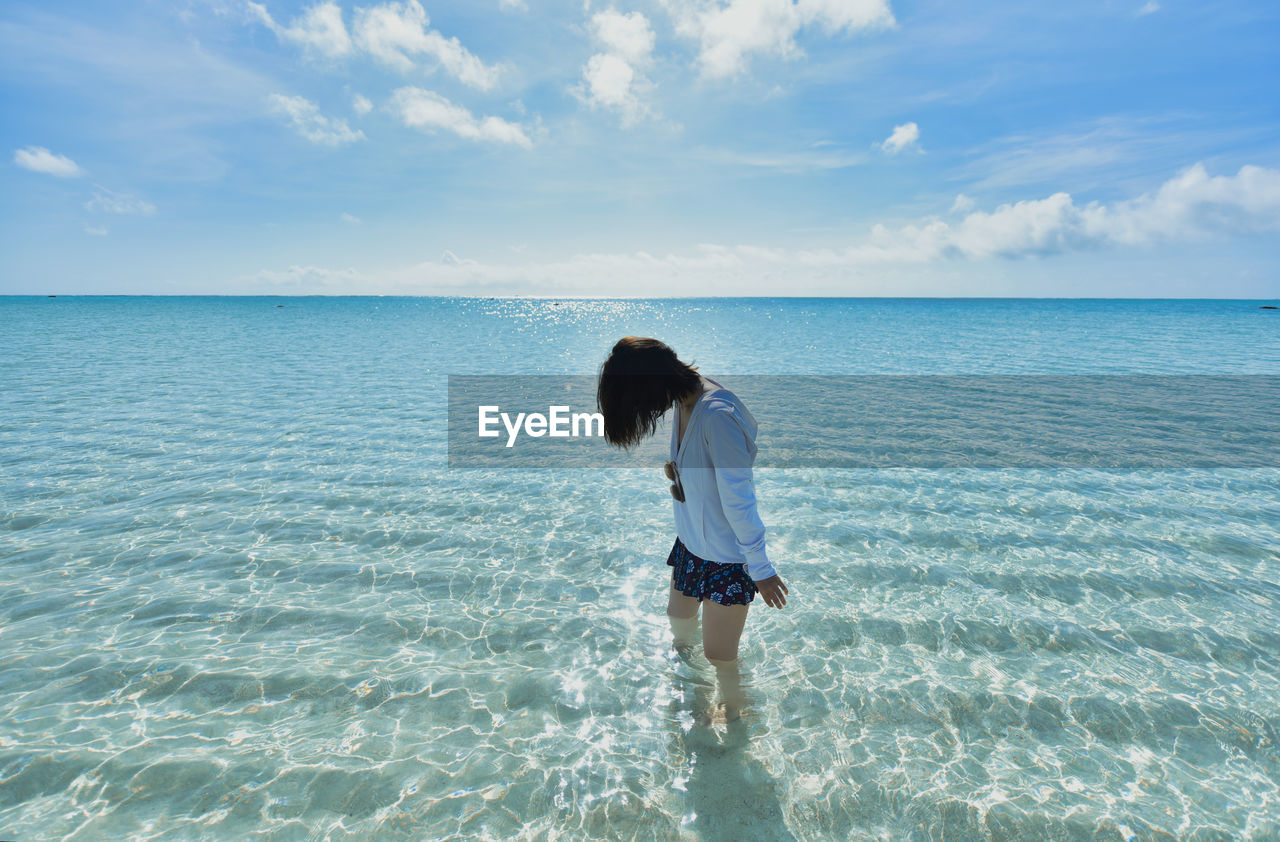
(242, 594)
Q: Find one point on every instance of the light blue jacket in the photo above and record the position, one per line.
(718, 520)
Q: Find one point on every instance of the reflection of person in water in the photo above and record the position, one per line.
(722, 776)
(719, 553)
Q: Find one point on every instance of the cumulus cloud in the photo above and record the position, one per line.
(730, 32)
(306, 118)
(41, 160)
(903, 136)
(109, 201)
(962, 204)
(627, 36)
(1191, 204)
(393, 32)
(425, 109)
(320, 28)
(361, 105)
(612, 79)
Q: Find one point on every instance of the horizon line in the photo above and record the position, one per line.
(525, 297)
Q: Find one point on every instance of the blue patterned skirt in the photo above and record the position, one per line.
(726, 584)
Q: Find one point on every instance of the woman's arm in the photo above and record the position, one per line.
(728, 447)
(731, 458)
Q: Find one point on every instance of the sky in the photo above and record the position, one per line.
(1103, 148)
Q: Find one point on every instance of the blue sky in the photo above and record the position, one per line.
(672, 147)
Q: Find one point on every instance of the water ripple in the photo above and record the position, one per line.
(242, 595)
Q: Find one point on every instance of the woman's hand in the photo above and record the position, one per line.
(773, 590)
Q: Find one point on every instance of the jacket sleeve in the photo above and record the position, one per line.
(732, 455)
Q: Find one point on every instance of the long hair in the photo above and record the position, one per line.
(639, 381)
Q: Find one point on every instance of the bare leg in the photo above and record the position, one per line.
(682, 611)
(721, 630)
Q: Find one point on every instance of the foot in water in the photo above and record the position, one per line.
(721, 714)
(731, 694)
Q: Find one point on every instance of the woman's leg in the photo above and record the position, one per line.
(721, 630)
(682, 611)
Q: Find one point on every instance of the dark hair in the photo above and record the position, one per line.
(639, 381)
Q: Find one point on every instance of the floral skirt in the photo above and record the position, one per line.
(726, 584)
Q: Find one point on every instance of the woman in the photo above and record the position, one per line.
(719, 554)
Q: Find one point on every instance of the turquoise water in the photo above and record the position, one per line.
(241, 594)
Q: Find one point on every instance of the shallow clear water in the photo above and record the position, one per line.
(241, 593)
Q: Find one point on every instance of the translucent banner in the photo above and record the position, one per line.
(1121, 422)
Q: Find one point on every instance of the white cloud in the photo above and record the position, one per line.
(448, 258)
(350, 220)
(320, 28)
(814, 159)
(181, 89)
(305, 116)
(612, 79)
(109, 201)
(425, 109)
(627, 36)
(95, 231)
(393, 32)
(962, 204)
(729, 33)
(310, 279)
(903, 136)
(608, 84)
(41, 160)
(1101, 153)
(508, 5)
(1191, 204)
(361, 105)
(1151, 6)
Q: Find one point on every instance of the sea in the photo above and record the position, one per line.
(244, 594)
